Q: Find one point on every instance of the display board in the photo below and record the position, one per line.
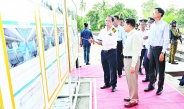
(49, 39)
(72, 31)
(34, 51)
(22, 51)
(62, 38)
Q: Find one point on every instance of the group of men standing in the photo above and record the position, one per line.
(123, 47)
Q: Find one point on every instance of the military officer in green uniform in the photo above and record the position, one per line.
(174, 36)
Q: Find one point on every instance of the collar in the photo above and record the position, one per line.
(160, 21)
(129, 33)
(110, 28)
(117, 27)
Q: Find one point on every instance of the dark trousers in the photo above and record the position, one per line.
(108, 60)
(119, 57)
(86, 54)
(146, 65)
(141, 57)
(156, 65)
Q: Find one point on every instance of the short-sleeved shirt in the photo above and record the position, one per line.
(109, 38)
(86, 34)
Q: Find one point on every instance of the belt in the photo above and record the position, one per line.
(128, 57)
(108, 50)
(155, 47)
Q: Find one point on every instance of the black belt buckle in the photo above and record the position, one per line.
(108, 50)
(128, 57)
(154, 47)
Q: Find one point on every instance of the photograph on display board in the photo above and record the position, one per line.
(21, 45)
(61, 37)
(62, 50)
(22, 52)
(48, 37)
(50, 48)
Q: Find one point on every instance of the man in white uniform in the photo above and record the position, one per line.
(143, 32)
(108, 37)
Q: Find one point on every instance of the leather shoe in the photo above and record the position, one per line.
(146, 80)
(174, 63)
(149, 89)
(126, 99)
(119, 76)
(159, 92)
(87, 63)
(129, 104)
(113, 89)
(105, 86)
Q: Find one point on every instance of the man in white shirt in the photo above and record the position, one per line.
(159, 42)
(143, 32)
(146, 60)
(108, 37)
(120, 44)
(131, 54)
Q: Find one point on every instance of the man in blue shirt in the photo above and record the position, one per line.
(85, 41)
(159, 42)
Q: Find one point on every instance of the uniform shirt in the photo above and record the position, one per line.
(159, 35)
(86, 35)
(121, 34)
(147, 40)
(133, 46)
(109, 38)
(143, 34)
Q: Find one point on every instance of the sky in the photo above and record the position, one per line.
(134, 4)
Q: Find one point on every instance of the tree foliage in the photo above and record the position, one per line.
(96, 16)
(180, 17)
(171, 13)
(148, 8)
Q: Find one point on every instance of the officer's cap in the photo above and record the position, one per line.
(151, 19)
(143, 20)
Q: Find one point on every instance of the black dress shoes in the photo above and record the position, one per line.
(129, 104)
(126, 99)
(113, 89)
(119, 76)
(146, 80)
(149, 89)
(105, 86)
(159, 92)
(87, 63)
(174, 63)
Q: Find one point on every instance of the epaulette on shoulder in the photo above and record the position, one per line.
(114, 30)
